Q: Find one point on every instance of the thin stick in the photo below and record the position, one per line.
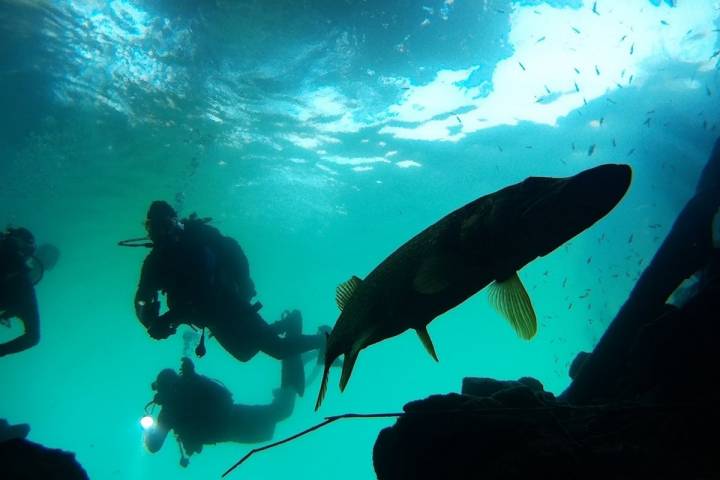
(327, 421)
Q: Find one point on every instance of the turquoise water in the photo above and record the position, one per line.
(322, 135)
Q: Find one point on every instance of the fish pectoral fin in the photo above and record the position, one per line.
(511, 300)
(427, 342)
(345, 291)
(433, 276)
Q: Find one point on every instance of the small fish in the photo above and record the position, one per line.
(591, 150)
(541, 39)
(630, 238)
(647, 122)
(522, 66)
(655, 225)
(610, 100)
(632, 150)
(545, 273)
(589, 259)
(584, 101)
(594, 10)
(632, 49)
(664, 22)
(500, 148)
(630, 79)
(457, 117)
(649, 112)
(622, 74)
(707, 90)
(573, 146)
(622, 39)
(614, 143)
(569, 306)
(577, 89)
(619, 85)
(576, 70)
(602, 119)
(576, 30)
(584, 295)
(547, 89)
(529, 147)
(564, 282)
(715, 54)
(597, 70)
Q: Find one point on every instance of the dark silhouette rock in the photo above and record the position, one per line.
(21, 459)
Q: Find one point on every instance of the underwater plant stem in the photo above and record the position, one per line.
(327, 421)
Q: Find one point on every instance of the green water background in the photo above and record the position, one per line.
(81, 178)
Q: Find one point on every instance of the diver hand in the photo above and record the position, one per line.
(148, 312)
(160, 329)
(186, 367)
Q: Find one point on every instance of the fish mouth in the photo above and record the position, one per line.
(572, 204)
(600, 188)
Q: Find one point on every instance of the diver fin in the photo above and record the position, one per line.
(432, 276)
(323, 387)
(510, 299)
(427, 342)
(345, 291)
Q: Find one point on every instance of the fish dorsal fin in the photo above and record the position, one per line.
(426, 341)
(510, 298)
(345, 291)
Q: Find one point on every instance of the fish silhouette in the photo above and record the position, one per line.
(482, 243)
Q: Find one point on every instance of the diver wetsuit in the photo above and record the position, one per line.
(206, 278)
(17, 295)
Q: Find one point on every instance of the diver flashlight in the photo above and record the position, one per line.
(147, 422)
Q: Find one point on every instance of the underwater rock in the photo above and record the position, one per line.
(519, 432)
(21, 459)
(9, 432)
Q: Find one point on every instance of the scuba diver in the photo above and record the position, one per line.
(21, 267)
(206, 278)
(201, 411)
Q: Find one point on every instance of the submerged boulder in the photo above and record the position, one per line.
(21, 459)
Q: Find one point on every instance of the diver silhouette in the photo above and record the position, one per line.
(201, 411)
(206, 279)
(22, 265)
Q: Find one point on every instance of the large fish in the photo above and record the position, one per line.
(483, 243)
